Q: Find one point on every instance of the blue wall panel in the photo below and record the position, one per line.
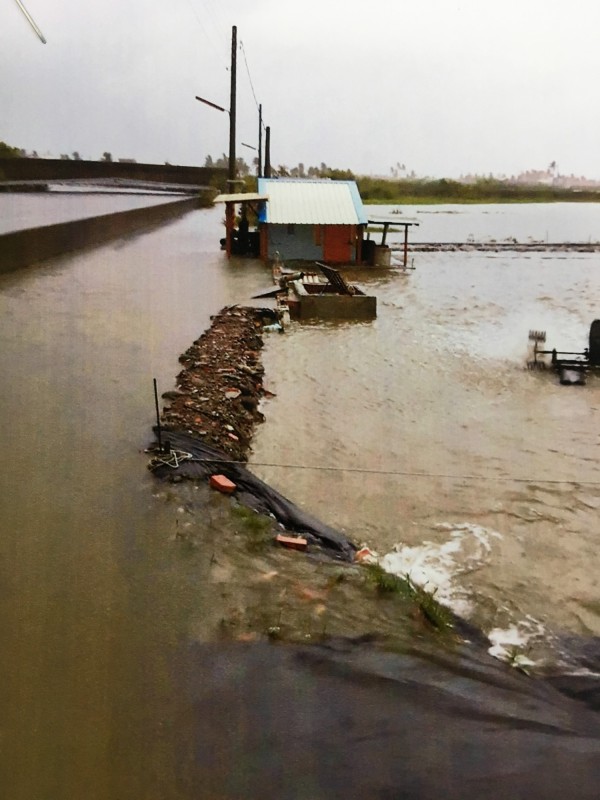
(299, 244)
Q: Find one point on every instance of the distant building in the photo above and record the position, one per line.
(127, 161)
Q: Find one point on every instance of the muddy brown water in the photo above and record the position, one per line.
(106, 577)
(34, 209)
(447, 457)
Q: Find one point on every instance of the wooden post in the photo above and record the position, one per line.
(158, 428)
(229, 225)
(405, 245)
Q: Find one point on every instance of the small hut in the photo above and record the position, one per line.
(313, 220)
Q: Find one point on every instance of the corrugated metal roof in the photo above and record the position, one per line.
(311, 202)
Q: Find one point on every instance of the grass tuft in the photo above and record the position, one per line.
(386, 583)
(258, 528)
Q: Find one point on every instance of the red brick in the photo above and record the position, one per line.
(294, 542)
(222, 484)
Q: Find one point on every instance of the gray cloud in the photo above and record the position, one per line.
(443, 87)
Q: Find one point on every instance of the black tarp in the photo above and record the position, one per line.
(253, 492)
(349, 720)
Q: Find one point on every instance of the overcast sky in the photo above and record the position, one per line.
(444, 87)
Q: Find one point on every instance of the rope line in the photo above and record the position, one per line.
(399, 473)
(414, 474)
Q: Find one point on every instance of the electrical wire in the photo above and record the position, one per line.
(208, 36)
(243, 49)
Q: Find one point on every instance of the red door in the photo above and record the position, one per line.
(338, 244)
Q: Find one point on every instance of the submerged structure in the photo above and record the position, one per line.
(571, 366)
(325, 295)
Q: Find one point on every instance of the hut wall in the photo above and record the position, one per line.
(294, 241)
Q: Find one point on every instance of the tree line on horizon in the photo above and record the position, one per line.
(400, 187)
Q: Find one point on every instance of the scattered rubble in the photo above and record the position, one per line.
(208, 423)
(220, 386)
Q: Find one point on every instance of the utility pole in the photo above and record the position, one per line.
(260, 141)
(268, 152)
(230, 207)
(232, 165)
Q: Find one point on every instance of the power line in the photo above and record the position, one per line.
(221, 33)
(243, 49)
(219, 20)
(208, 36)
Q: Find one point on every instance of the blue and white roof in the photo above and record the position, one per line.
(295, 201)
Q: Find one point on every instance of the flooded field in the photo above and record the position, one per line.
(420, 434)
(34, 209)
(423, 435)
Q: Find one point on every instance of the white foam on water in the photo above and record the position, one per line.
(436, 566)
(509, 643)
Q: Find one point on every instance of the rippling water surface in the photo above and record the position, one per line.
(477, 477)
(420, 433)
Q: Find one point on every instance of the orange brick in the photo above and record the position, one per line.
(363, 554)
(222, 484)
(294, 542)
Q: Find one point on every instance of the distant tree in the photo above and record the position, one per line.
(76, 156)
(6, 151)
(223, 163)
(65, 157)
(242, 168)
(106, 157)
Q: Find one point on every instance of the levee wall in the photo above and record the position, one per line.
(26, 247)
(23, 169)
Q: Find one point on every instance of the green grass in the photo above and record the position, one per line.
(257, 528)
(388, 584)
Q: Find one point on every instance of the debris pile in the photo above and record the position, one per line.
(220, 386)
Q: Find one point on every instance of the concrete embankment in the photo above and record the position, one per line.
(26, 247)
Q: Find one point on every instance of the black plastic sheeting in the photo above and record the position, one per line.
(253, 492)
(348, 720)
